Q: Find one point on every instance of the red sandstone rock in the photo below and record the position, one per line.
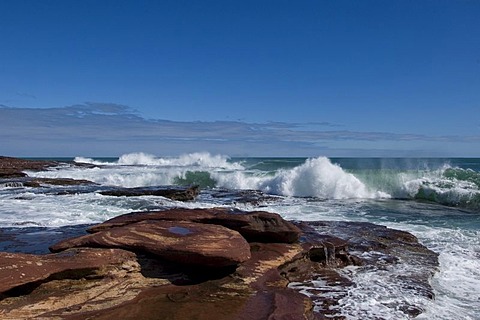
(257, 289)
(17, 269)
(259, 226)
(14, 167)
(178, 241)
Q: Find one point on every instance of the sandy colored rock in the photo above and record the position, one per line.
(17, 269)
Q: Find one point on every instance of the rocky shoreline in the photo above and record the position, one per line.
(212, 263)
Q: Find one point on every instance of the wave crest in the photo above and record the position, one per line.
(318, 177)
(196, 159)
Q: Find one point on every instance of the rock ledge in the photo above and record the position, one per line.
(202, 264)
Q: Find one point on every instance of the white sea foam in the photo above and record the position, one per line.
(376, 294)
(457, 283)
(438, 187)
(317, 177)
(49, 210)
(90, 160)
(320, 178)
(123, 176)
(197, 159)
(142, 170)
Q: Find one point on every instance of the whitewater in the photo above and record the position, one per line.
(437, 200)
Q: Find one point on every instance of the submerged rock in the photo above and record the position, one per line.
(253, 197)
(38, 182)
(174, 193)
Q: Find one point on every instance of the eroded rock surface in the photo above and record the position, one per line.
(258, 226)
(157, 279)
(179, 241)
(17, 269)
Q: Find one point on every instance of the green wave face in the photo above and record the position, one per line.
(463, 175)
(198, 178)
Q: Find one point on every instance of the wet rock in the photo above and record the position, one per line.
(366, 237)
(373, 247)
(259, 226)
(11, 173)
(14, 167)
(255, 226)
(38, 182)
(21, 182)
(252, 197)
(179, 241)
(174, 193)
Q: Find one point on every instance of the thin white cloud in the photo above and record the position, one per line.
(112, 129)
(26, 95)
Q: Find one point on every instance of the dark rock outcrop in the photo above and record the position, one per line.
(14, 167)
(179, 194)
(38, 182)
(12, 170)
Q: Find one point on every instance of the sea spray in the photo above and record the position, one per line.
(320, 177)
(197, 159)
(317, 177)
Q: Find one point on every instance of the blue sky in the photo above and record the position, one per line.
(248, 78)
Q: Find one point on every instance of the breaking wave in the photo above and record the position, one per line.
(314, 177)
(317, 177)
(197, 159)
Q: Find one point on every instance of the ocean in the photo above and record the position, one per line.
(437, 200)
